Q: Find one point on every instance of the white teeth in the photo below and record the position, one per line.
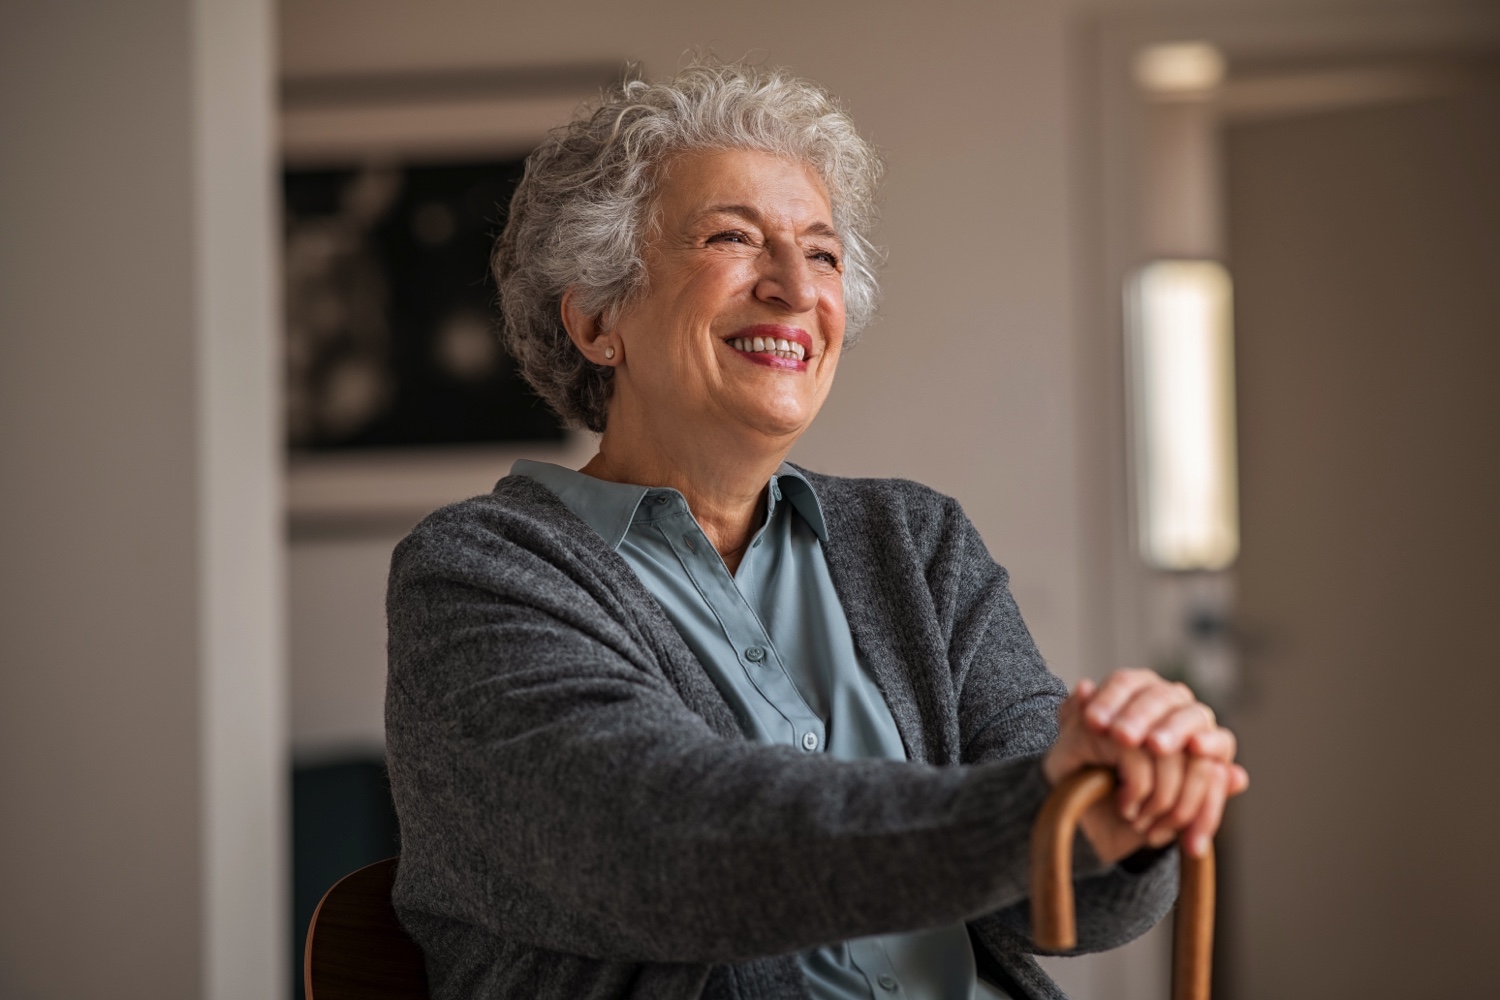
(789, 349)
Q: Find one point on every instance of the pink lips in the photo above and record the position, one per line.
(775, 331)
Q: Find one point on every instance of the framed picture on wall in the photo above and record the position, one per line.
(398, 394)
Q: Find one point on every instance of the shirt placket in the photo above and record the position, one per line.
(870, 958)
(747, 638)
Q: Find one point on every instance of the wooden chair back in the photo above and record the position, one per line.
(1052, 918)
(355, 948)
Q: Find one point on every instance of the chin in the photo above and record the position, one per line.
(780, 425)
(775, 414)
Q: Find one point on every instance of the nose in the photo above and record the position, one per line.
(786, 278)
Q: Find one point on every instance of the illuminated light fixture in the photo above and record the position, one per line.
(1179, 69)
(1182, 361)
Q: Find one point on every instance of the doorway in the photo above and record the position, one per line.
(1347, 176)
(1365, 244)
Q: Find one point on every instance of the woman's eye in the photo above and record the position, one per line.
(729, 236)
(826, 256)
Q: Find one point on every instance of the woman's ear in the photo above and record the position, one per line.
(597, 344)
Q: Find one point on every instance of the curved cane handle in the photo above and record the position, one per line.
(1052, 921)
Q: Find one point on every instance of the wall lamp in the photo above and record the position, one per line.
(1181, 359)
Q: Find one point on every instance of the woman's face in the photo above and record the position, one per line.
(742, 322)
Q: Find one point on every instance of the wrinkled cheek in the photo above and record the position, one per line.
(827, 366)
(833, 316)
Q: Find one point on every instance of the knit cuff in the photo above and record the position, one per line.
(996, 813)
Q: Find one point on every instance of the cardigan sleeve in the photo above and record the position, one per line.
(1007, 706)
(554, 789)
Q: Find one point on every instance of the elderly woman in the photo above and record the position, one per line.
(692, 721)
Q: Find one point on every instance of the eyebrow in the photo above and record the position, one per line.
(819, 228)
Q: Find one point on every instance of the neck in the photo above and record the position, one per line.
(724, 482)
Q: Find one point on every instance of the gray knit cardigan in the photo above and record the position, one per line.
(581, 816)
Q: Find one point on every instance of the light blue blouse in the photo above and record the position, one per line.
(774, 638)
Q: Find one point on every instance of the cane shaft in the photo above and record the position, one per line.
(1053, 922)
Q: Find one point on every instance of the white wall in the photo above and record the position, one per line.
(336, 592)
(141, 732)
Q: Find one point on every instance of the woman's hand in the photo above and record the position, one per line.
(1174, 762)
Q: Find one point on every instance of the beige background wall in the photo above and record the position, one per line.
(100, 672)
(142, 739)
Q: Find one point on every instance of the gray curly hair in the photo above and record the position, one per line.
(583, 211)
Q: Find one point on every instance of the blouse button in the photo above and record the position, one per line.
(810, 742)
(755, 654)
(887, 981)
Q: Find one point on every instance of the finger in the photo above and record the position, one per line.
(1116, 691)
(1180, 725)
(1239, 779)
(1137, 775)
(1195, 783)
(1218, 743)
(1200, 833)
(1167, 786)
(1147, 709)
(1076, 744)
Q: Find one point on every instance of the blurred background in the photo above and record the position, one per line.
(1194, 307)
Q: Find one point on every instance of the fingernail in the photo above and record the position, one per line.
(1199, 846)
(1131, 812)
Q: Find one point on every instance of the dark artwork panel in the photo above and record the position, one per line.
(391, 317)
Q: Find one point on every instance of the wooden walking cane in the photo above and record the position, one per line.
(1052, 922)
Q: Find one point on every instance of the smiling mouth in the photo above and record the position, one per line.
(778, 347)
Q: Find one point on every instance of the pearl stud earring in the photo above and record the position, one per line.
(609, 354)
